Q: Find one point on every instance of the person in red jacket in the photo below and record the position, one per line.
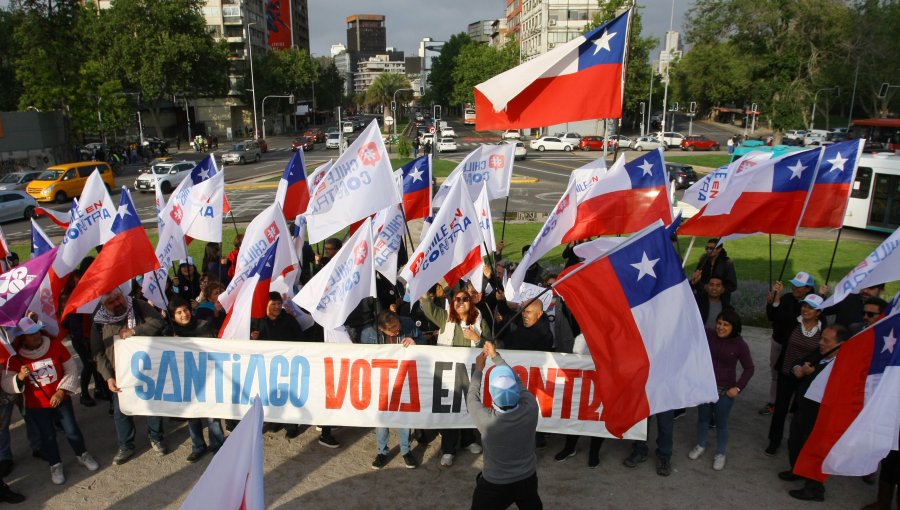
(44, 371)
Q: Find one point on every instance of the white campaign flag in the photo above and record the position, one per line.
(299, 234)
(359, 184)
(316, 176)
(337, 288)
(483, 209)
(881, 266)
(204, 209)
(487, 166)
(90, 225)
(527, 292)
(169, 248)
(267, 227)
(389, 227)
(558, 224)
(713, 183)
(586, 176)
(450, 250)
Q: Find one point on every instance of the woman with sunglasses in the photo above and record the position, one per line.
(461, 326)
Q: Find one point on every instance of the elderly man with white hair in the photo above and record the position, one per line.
(121, 316)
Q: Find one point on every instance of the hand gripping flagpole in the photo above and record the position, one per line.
(22, 362)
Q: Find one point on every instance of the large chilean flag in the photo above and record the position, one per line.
(628, 198)
(581, 79)
(417, 188)
(293, 193)
(830, 192)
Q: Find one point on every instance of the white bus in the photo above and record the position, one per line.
(875, 198)
(469, 117)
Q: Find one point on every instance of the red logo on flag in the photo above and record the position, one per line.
(563, 204)
(496, 162)
(360, 253)
(272, 233)
(368, 154)
(177, 214)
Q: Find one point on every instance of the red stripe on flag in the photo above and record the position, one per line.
(417, 204)
(260, 301)
(826, 207)
(472, 260)
(226, 207)
(844, 397)
(296, 199)
(620, 212)
(770, 213)
(594, 93)
(614, 340)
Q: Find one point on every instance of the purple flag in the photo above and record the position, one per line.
(19, 285)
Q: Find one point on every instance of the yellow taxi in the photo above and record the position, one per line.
(60, 183)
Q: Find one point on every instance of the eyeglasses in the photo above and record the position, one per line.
(462, 299)
(871, 314)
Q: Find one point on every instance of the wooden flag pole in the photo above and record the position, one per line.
(786, 257)
(833, 254)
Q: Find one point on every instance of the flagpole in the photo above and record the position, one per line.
(162, 293)
(406, 225)
(770, 261)
(688, 252)
(503, 230)
(233, 222)
(786, 257)
(833, 253)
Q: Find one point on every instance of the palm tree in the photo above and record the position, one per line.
(382, 90)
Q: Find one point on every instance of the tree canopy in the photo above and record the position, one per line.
(477, 63)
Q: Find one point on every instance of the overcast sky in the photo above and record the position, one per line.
(408, 21)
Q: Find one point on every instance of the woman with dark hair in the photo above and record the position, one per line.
(187, 282)
(727, 348)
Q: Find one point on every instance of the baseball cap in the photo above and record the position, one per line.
(28, 326)
(803, 280)
(504, 388)
(813, 301)
(187, 262)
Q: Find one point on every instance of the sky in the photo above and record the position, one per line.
(408, 21)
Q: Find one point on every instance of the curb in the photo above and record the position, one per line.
(515, 180)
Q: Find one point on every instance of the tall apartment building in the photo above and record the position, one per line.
(480, 31)
(499, 33)
(547, 23)
(366, 33)
(670, 53)
(513, 16)
(368, 70)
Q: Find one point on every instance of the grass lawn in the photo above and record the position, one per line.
(441, 167)
(707, 160)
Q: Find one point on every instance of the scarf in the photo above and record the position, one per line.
(104, 316)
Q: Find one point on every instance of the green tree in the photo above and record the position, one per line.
(440, 74)
(381, 91)
(329, 87)
(712, 75)
(477, 63)
(10, 87)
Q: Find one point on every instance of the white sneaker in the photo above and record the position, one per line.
(719, 462)
(474, 448)
(696, 452)
(447, 459)
(88, 461)
(56, 474)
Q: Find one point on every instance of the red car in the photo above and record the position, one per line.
(316, 133)
(308, 143)
(591, 143)
(699, 143)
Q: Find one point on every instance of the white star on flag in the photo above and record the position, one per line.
(796, 170)
(889, 342)
(645, 266)
(603, 42)
(122, 211)
(204, 174)
(837, 164)
(647, 167)
(416, 174)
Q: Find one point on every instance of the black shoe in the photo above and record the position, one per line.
(593, 461)
(37, 454)
(772, 449)
(292, 431)
(806, 495)
(788, 476)
(663, 467)
(380, 461)
(196, 455)
(634, 459)
(564, 455)
(328, 441)
(8, 496)
(101, 395)
(540, 442)
(6, 467)
(87, 401)
(410, 461)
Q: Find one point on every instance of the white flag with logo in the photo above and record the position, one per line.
(450, 250)
(713, 183)
(90, 225)
(586, 176)
(316, 176)
(483, 209)
(196, 204)
(389, 227)
(169, 248)
(359, 184)
(487, 166)
(338, 287)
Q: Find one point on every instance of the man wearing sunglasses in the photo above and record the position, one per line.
(849, 312)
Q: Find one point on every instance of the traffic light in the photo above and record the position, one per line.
(393, 106)
(437, 112)
(883, 90)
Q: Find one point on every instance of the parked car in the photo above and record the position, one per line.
(670, 138)
(347, 127)
(241, 153)
(623, 142)
(333, 141)
(551, 143)
(426, 137)
(699, 143)
(308, 143)
(815, 137)
(448, 132)
(419, 117)
(795, 134)
(16, 205)
(446, 145)
(156, 145)
(63, 182)
(17, 180)
(263, 145)
(591, 143)
(316, 133)
(648, 143)
(683, 175)
(511, 134)
(569, 137)
(330, 130)
(520, 152)
(170, 174)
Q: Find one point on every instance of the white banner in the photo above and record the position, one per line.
(351, 385)
(488, 166)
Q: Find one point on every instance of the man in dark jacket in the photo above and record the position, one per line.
(715, 262)
(277, 324)
(530, 331)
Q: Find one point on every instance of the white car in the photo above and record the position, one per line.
(347, 127)
(670, 138)
(795, 134)
(333, 141)
(520, 152)
(16, 205)
(170, 174)
(551, 143)
(648, 143)
(623, 142)
(573, 138)
(426, 137)
(446, 145)
(448, 131)
(511, 134)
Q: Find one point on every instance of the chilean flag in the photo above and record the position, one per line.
(417, 187)
(252, 298)
(628, 198)
(642, 326)
(40, 242)
(61, 218)
(581, 79)
(293, 193)
(831, 190)
(128, 254)
(859, 417)
(768, 197)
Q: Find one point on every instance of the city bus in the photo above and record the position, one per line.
(469, 117)
(880, 134)
(875, 198)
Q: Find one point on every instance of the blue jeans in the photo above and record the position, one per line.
(34, 435)
(44, 418)
(383, 434)
(723, 409)
(216, 435)
(665, 429)
(125, 426)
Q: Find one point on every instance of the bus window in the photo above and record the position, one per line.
(863, 183)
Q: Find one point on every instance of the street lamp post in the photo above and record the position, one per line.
(643, 105)
(394, 104)
(291, 97)
(812, 118)
(252, 80)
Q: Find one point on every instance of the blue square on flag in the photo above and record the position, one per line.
(415, 175)
(604, 45)
(795, 172)
(885, 333)
(647, 171)
(647, 267)
(838, 163)
(126, 217)
(205, 169)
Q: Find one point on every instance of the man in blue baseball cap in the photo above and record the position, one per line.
(507, 433)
